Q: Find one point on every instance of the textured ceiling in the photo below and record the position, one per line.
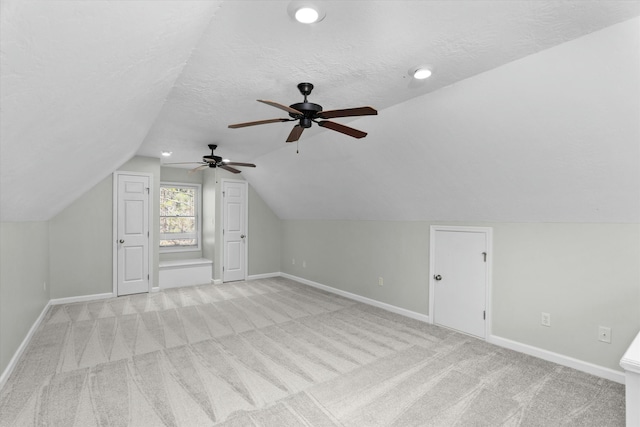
(85, 85)
(81, 84)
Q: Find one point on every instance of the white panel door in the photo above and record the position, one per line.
(234, 202)
(132, 234)
(459, 275)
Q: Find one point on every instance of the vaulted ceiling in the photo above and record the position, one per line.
(531, 113)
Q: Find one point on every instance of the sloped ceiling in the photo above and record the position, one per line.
(85, 85)
(82, 83)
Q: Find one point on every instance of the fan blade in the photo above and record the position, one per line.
(282, 107)
(259, 122)
(247, 165)
(198, 168)
(347, 112)
(229, 168)
(343, 129)
(183, 163)
(295, 133)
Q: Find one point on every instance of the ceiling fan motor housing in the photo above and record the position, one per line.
(309, 111)
(212, 159)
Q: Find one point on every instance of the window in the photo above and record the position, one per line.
(179, 216)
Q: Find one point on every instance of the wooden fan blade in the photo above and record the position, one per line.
(347, 112)
(295, 133)
(282, 107)
(183, 163)
(198, 168)
(343, 129)
(229, 168)
(258, 122)
(247, 165)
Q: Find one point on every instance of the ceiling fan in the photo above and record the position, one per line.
(213, 161)
(307, 113)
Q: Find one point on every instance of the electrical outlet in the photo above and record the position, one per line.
(44, 286)
(293, 261)
(304, 264)
(380, 281)
(604, 334)
(545, 319)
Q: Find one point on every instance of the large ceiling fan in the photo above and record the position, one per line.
(307, 113)
(213, 161)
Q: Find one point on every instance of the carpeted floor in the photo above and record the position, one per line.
(276, 353)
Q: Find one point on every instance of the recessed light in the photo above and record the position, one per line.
(306, 15)
(166, 153)
(306, 12)
(422, 73)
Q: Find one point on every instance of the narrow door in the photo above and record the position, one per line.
(132, 234)
(459, 278)
(234, 201)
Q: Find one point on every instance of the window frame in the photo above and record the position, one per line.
(198, 213)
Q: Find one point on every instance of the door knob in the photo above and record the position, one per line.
(242, 236)
(437, 277)
(121, 240)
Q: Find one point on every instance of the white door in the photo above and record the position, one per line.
(234, 230)
(132, 235)
(459, 279)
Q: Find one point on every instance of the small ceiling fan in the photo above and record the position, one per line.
(213, 161)
(307, 113)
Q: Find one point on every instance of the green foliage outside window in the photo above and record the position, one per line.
(178, 216)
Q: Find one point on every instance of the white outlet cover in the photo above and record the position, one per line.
(604, 334)
(545, 319)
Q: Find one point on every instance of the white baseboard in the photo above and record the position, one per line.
(216, 281)
(560, 359)
(359, 298)
(550, 356)
(16, 356)
(56, 301)
(81, 298)
(263, 276)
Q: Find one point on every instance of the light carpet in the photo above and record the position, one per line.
(276, 353)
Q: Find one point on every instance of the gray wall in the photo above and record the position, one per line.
(81, 243)
(209, 217)
(264, 236)
(24, 268)
(585, 275)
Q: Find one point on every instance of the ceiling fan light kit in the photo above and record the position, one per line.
(306, 113)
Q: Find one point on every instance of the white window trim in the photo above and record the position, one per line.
(198, 237)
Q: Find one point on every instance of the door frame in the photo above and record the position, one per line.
(246, 226)
(114, 240)
(488, 232)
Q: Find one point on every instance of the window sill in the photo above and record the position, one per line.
(174, 250)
